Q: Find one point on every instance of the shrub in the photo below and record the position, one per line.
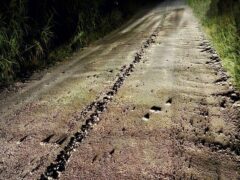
(32, 32)
(222, 23)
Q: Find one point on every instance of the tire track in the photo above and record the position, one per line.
(231, 97)
(97, 108)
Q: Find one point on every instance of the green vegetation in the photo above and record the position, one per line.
(34, 34)
(221, 20)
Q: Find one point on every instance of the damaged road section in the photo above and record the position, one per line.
(97, 108)
(229, 98)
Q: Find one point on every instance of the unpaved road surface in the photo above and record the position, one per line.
(149, 101)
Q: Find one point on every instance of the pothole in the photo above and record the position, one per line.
(169, 102)
(146, 117)
(156, 109)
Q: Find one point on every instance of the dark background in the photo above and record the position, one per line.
(32, 31)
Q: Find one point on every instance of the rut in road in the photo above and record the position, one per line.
(171, 119)
(99, 106)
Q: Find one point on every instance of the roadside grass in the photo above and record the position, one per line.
(36, 34)
(220, 21)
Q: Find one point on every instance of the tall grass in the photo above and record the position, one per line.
(221, 21)
(36, 33)
(20, 46)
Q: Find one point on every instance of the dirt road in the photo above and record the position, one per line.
(149, 101)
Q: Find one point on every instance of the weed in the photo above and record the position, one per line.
(34, 34)
(220, 19)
